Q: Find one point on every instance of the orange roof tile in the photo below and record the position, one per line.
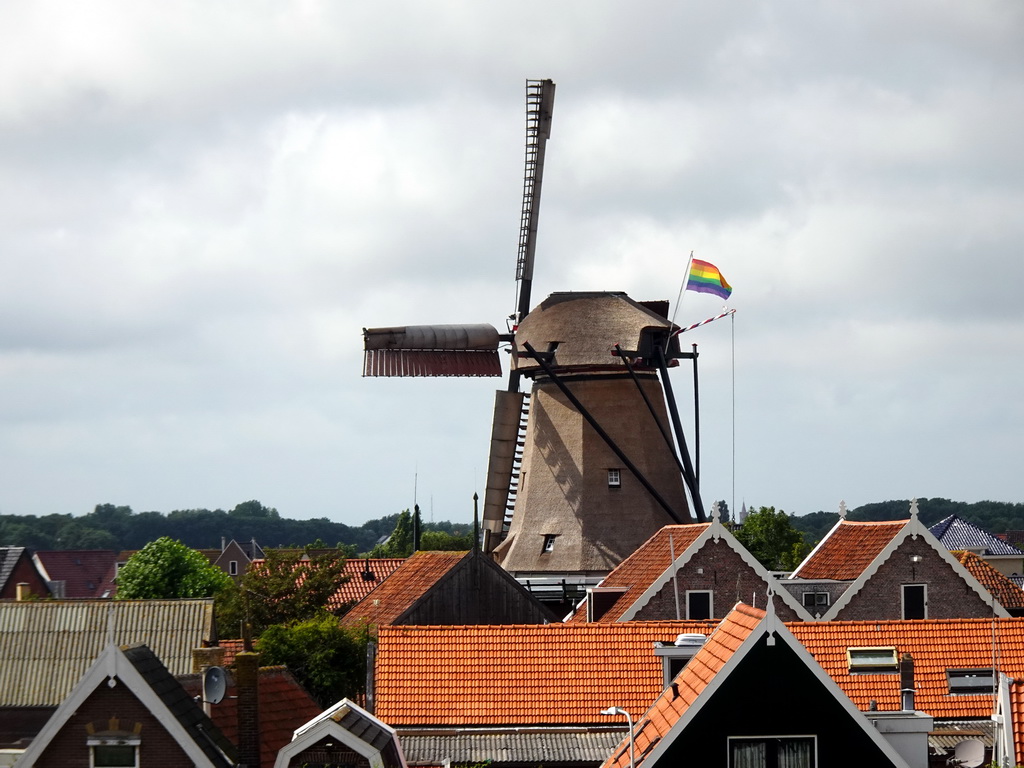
(935, 644)
(641, 569)
(689, 684)
(1017, 716)
(284, 705)
(357, 587)
(538, 674)
(1009, 595)
(407, 584)
(848, 550)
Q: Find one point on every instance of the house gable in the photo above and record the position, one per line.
(128, 691)
(360, 735)
(18, 567)
(717, 563)
(914, 556)
(747, 682)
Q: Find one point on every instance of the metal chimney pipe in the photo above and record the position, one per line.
(907, 683)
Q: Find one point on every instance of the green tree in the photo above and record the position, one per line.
(399, 543)
(165, 569)
(771, 538)
(284, 588)
(442, 540)
(328, 659)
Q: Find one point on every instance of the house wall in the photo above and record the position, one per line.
(24, 572)
(948, 595)
(476, 592)
(68, 749)
(726, 575)
(773, 693)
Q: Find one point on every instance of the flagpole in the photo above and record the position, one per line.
(682, 287)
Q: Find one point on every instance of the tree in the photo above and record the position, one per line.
(442, 540)
(771, 538)
(399, 543)
(282, 589)
(165, 569)
(328, 659)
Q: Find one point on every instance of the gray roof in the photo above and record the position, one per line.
(46, 646)
(206, 735)
(955, 534)
(8, 559)
(522, 746)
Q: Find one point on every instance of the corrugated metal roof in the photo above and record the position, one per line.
(541, 747)
(46, 646)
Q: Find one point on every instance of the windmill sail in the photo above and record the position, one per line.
(431, 350)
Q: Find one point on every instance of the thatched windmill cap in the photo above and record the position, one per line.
(584, 327)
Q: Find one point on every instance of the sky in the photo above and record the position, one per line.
(203, 204)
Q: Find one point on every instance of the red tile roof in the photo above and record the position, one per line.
(641, 569)
(848, 549)
(1017, 716)
(689, 684)
(231, 649)
(85, 572)
(1009, 595)
(538, 674)
(357, 587)
(407, 584)
(284, 705)
(935, 644)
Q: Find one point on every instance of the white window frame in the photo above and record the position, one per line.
(134, 743)
(802, 736)
(903, 599)
(872, 660)
(549, 543)
(232, 568)
(614, 478)
(711, 602)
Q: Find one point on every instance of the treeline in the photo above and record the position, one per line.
(992, 516)
(119, 528)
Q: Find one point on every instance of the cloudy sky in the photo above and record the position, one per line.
(202, 205)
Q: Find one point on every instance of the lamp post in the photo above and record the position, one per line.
(629, 723)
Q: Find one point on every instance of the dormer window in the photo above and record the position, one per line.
(614, 478)
(549, 543)
(872, 660)
(970, 681)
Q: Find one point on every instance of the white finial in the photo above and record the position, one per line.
(842, 510)
(716, 513)
(913, 509)
(771, 619)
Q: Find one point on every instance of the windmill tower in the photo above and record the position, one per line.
(582, 469)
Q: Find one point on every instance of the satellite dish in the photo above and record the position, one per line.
(970, 753)
(215, 685)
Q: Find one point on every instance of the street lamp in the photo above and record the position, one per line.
(629, 723)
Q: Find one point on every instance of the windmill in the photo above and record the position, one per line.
(582, 469)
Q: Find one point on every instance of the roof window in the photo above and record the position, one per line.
(873, 659)
(970, 681)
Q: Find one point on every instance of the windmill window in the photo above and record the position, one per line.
(233, 568)
(872, 660)
(614, 478)
(772, 752)
(549, 542)
(970, 681)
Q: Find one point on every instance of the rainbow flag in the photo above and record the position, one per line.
(705, 278)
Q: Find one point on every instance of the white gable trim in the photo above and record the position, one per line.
(765, 630)
(113, 665)
(720, 533)
(913, 528)
(324, 726)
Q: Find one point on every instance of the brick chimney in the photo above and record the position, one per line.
(22, 591)
(203, 658)
(247, 668)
